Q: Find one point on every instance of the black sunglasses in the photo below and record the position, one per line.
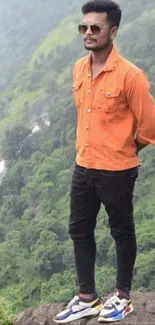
(95, 28)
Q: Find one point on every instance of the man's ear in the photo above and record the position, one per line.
(114, 31)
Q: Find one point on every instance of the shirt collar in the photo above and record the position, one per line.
(111, 62)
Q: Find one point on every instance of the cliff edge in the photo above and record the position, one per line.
(144, 313)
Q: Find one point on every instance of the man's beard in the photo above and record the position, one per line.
(98, 48)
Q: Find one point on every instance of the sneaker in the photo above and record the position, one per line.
(77, 309)
(115, 308)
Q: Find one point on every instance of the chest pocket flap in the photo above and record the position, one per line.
(112, 93)
(77, 92)
(110, 100)
(114, 101)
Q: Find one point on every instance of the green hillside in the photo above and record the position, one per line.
(37, 263)
(63, 35)
(34, 83)
(24, 25)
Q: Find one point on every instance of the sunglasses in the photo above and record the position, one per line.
(95, 28)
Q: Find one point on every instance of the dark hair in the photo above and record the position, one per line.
(110, 7)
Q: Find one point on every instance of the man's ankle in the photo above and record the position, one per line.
(87, 296)
(123, 293)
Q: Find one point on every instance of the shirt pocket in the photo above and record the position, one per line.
(77, 88)
(112, 102)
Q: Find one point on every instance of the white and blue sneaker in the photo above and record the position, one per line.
(77, 309)
(115, 308)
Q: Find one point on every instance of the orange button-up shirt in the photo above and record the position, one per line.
(113, 110)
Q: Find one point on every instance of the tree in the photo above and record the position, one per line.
(6, 315)
(17, 143)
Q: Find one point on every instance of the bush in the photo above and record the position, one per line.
(6, 316)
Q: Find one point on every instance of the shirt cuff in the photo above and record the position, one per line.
(143, 140)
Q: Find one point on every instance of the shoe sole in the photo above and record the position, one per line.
(109, 320)
(85, 313)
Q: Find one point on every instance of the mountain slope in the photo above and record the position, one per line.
(24, 25)
(37, 263)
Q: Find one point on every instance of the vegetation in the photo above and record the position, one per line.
(36, 254)
(25, 27)
(6, 315)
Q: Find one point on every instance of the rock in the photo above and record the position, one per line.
(144, 313)
(150, 308)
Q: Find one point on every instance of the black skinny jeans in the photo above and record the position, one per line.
(114, 189)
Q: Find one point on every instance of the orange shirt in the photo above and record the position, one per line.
(113, 110)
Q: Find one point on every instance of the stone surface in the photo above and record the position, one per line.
(144, 313)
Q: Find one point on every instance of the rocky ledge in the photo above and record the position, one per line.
(144, 313)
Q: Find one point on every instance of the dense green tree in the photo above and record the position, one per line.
(16, 143)
(6, 315)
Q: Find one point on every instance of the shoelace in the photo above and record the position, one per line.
(112, 300)
(73, 301)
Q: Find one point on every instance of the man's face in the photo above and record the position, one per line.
(104, 38)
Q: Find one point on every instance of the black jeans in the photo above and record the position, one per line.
(114, 189)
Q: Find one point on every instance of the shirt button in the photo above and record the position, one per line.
(87, 127)
(89, 76)
(108, 93)
(89, 91)
(89, 110)
(87, 145)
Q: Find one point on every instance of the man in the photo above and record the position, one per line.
(116, 119)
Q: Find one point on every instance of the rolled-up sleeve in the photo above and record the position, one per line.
(142, 105)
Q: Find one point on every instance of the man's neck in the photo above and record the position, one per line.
(99, 58)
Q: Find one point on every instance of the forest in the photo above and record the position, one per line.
(36, 254)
